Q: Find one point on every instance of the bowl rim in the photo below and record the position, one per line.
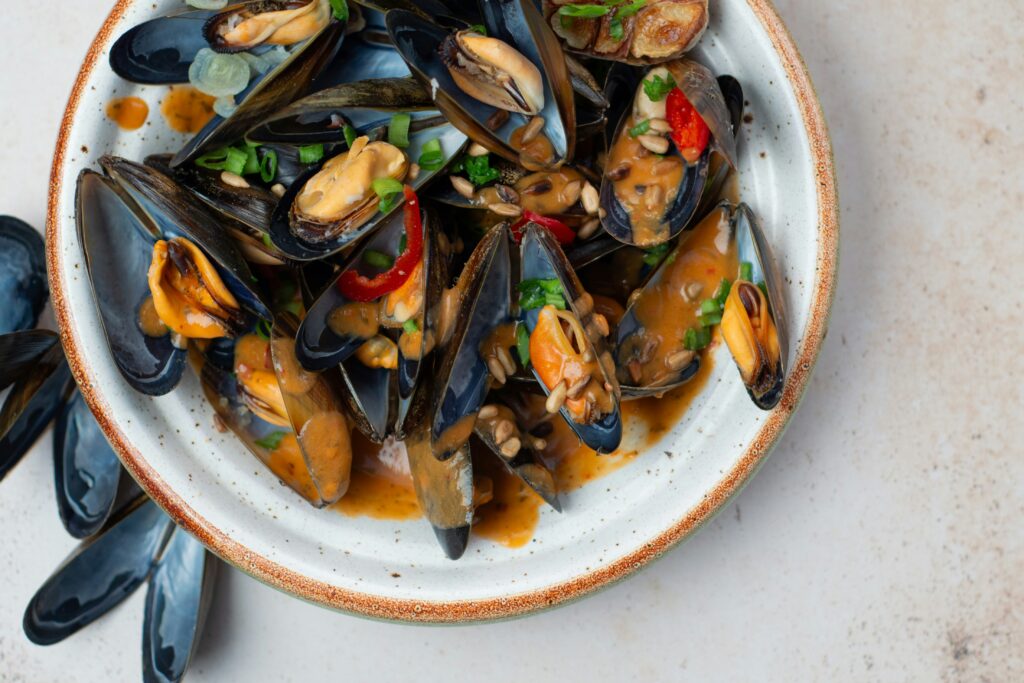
(366, 604)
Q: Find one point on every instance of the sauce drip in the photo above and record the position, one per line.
(149, 320)
(186, 109)
(129, 113)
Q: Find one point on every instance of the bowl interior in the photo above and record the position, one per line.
(209, 482)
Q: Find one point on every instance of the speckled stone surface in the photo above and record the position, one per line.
(882, 540)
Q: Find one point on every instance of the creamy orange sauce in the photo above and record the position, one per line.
(550, 193)
(376, 489)
(511, 516)
(645, 184)
(535, 155)
(355, 319)
(186, 109)
(129, 113)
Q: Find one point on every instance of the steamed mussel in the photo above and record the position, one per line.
(446, 242)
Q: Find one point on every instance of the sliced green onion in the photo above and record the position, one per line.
(432, 157)
(710, 306)
(630, 9)
(410, 326)
(236, 161)
(398, 130)
(350, 134)
(389, 191)
(377, 259)
(615, 29)
(654, 255)
(271, 441)
(263, 330)
(252, 162)
(722, 293)
(709, 319)
(583, 11)
(266, 241)
(340, 9)
(213, 160)
(696, 339)
(746, 271)
(640, 128)
(310, 154)
(479, 28)
(268, 166)
(523, 345)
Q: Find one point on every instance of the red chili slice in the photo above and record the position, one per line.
(356, 287)
(562, 232)
(689, 131)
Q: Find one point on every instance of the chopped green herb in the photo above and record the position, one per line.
(722, 293)
(350, 134)
(310, 154)
(398, 130)
(696, 338)
(630, 9)
(271, 441)
(389, 191)
(479, 169)
(340, 9)
(657, 87)
(268, 166)
(584, 11)
(266, 240)
(654, 255)
(746, 271)
(377, 259)
(479, 28)
(294, 307)
(523, 345)
(537, 293)
(710, 306)
(709, 319)
(235, 161)
(432, 157)
(640, 128)
(615, 29)
(263, 330)
(410, 326)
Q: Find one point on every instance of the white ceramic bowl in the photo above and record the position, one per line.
(210, 484)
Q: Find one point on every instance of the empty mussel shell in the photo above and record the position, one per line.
(99, 575)
(86, 470)
(22, 275)
(177, 603)
(160, 51)
(20, 350)
(497, 427)
(31, 404)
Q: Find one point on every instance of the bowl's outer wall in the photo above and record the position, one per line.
(209, 484)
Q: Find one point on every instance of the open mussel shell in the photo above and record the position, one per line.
(31, 404)
(171, 211)
(462, 379)
(425, 126)
(267, 93)
(765, 380)
(720, 169)
(118, 246)
(86, 470)
(160, 51)
(22, 275)
(275, 446)
(315, 408)
(292, 16)
(543, 259)
(99, 575)
(518, 24)
(19, 352)
(177, 603)
(642, 347)
(516, 453)
(444, 489)
(629, 182)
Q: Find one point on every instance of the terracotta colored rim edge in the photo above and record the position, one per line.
(301, 586)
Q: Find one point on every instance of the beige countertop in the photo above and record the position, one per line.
(883, 540)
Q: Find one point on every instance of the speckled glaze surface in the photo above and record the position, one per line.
(211, 485)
